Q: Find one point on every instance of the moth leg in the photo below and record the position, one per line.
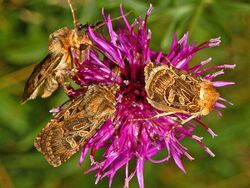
(63, 84)
(50, 86)
(190, 118)
(61, 81)
(172, 129)
(116, 130)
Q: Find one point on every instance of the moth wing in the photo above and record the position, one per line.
(39, 75)
(56, 139)
(184, 93)
(165, 108)
(59, 140)
(67, 132)
(75, 124)
(171, 90)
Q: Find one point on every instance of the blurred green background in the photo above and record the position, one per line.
(24, 29)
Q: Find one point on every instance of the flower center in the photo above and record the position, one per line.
(133, 92)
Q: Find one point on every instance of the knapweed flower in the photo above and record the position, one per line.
(125, 139)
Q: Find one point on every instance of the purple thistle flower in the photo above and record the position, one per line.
(124, 140)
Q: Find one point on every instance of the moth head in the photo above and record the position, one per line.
(208, 96)
(80, 40)
(82, 27)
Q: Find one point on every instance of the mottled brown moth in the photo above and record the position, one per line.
(77, 121)
(50, 73)
(172, 90)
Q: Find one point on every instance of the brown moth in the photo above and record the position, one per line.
(172, 90)
(49, 74)
(77, 121)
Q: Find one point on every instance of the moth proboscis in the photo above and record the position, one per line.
(77, 121)
(172, 90)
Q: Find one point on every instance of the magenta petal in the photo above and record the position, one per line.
(222, 83)
(139, 170)
(224, 100)
(219, 105)
(178, 162)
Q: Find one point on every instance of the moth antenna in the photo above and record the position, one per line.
(75, 21)
(99, 25)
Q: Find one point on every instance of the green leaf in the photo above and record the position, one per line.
(12, 114)
(235, 7)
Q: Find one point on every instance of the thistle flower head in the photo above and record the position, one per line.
(122, 138)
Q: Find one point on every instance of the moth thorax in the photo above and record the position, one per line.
(208, 96)
(79, 40)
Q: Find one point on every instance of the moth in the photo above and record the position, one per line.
(50, 73)
(172, 90)
(77, 121)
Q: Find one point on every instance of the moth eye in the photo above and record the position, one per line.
(83, 47)
(81, 27)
